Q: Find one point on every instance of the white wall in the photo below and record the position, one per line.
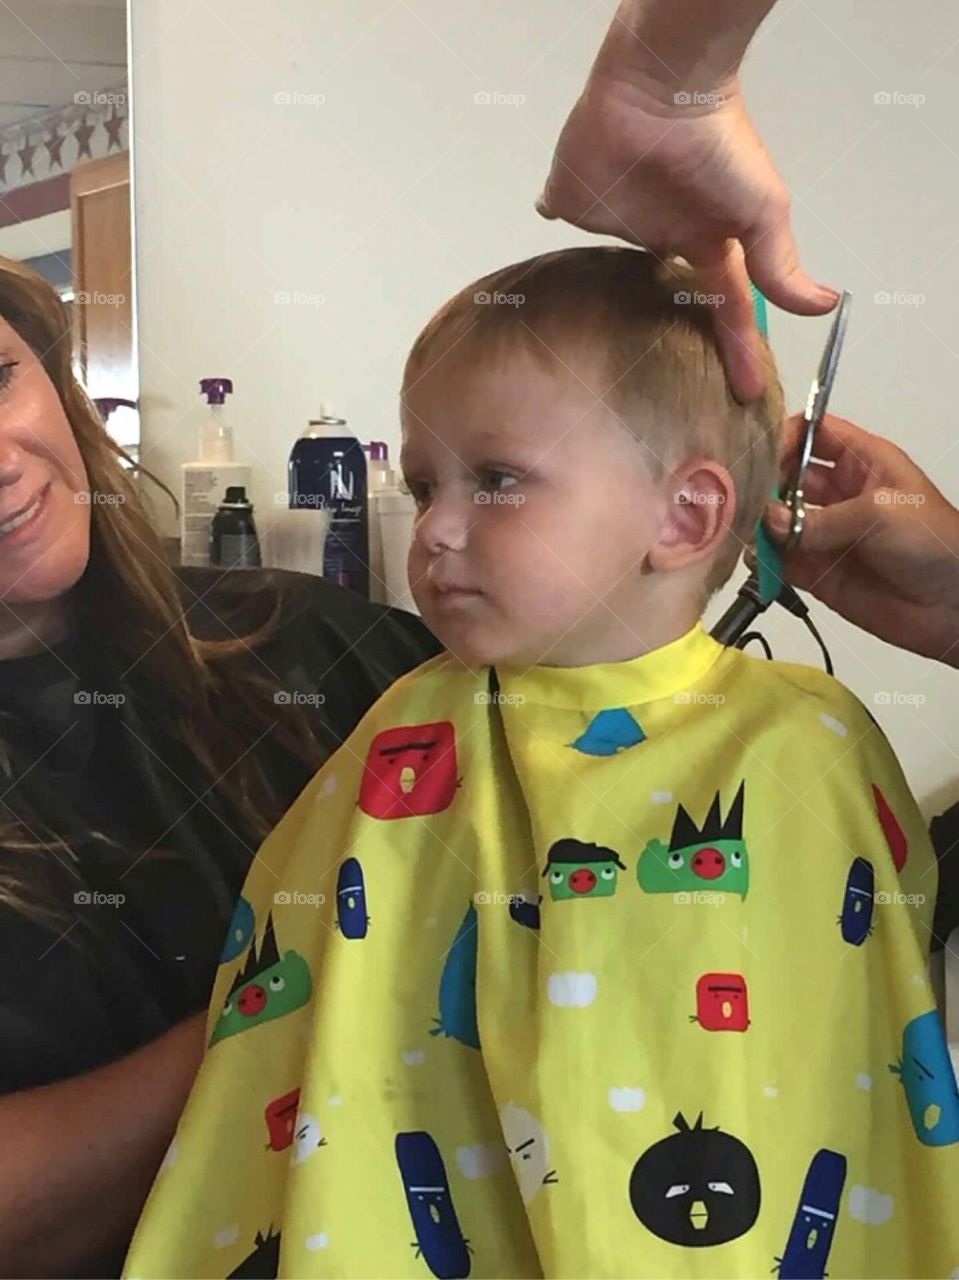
(398, 188)
(51, 233)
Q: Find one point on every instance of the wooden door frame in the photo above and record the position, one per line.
(86, 180)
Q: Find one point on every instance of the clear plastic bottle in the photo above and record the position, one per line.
(205, 482)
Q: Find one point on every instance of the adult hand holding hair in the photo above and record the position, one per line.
(881, 544)
(660, 151)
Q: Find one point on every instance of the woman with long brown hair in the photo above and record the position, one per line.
(153, 727)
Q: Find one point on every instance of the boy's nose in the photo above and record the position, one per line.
(445, 525)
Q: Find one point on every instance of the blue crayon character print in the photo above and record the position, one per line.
(439, 1237)
(858, 902)
(712, 857)
(351, 911)
(241, 930)
(814, 1224)
(609, 733)
(457, 1018)
(929, 1081)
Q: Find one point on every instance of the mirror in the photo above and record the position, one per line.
(65, 181)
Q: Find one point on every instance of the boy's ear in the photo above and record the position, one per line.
(700, 513)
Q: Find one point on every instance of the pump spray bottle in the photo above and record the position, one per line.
(204, 483)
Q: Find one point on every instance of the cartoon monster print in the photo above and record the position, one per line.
(528, 1148)
(308, 1138)
(697, 1187)
(578, 870)
(711, 857)
(439, 1237)
(268, 986)
(722, 1002)
(351, 909)
(525, 912)
(458, 985)
(609, 733)
(858, 901)
(929, 1081)
(895, 836)
(241, 930)
(264, 1262)
(814, 1224)
(280, 1116)
(410, 771)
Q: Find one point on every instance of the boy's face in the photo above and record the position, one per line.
(535, 513)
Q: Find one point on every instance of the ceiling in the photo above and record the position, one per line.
(51, 50)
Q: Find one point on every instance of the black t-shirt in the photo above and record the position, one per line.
(113, 936)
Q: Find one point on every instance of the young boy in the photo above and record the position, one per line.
(598, 949)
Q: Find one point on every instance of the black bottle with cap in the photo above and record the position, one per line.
(233, 540)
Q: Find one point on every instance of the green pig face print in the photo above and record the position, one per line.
(268, 986)
(578, 870)
(699, 859)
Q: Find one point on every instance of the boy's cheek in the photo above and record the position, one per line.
(417, 564)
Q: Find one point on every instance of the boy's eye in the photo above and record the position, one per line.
(494, 479)
(418, 490)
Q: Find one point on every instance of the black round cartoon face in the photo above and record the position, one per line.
(697, 1187)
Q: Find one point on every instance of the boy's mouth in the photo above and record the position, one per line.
(454, 590)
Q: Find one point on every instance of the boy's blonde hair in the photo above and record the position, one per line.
(639, 336)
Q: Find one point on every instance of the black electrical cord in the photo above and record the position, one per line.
(827, 661)
(791, 600)
(750, 636)
(731, 629)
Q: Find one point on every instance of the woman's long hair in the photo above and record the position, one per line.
(197, 691)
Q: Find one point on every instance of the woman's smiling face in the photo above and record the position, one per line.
(44, 497)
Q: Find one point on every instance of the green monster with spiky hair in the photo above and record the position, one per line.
(267, 987)
(713, 857)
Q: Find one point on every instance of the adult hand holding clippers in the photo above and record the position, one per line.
(880, 543)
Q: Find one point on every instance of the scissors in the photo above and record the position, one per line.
(812, 419)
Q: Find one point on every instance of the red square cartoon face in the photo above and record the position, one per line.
(280, 1119)
(721, 1002)
(410, 771)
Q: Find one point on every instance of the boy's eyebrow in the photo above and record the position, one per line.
(494, 442)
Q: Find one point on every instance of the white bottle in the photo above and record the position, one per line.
(392, 515)
(204, 483)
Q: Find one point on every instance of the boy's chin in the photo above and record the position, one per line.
(492, 651)
(474, 646)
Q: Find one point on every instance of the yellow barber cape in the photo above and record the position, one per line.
(615, 971)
